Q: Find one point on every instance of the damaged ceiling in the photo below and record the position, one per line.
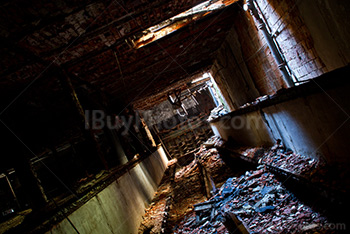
(95, 43)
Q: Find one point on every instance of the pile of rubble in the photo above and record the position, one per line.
(333, 176)
(185, 190)
(289, 161)
(156, 213)
(279, 156)
(210, 159)
(214, 141)
(256, 199)
(186, 170)
(282, 158)
(259, 201)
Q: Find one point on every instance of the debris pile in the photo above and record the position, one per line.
(214, 141)
(289, 161)
(282, 158)
(253, 153)
(260, 201)
(156, 213)
(256, 199)
(210, 159)
(186, 170)
(330, 176)
(153, 223)
(185, 190)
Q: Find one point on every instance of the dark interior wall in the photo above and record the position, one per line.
(310, 123)
(42, 139)
(314, 39)
(328, 22)
(119, 207)
(231, 73)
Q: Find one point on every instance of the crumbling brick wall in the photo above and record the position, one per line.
(312, 36)
(292, 35)
(257, 55)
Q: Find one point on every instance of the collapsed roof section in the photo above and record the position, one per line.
(179, 21)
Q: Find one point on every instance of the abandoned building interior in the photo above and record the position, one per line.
(154, 116)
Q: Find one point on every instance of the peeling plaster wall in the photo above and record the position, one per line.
(120, 206)
(314, 125)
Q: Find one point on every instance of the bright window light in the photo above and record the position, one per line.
(205, 76)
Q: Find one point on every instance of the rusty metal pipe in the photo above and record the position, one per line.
(271, 43)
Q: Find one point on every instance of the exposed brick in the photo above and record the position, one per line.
(294, 40)
(312, 66)
(319, 72)
(284, 35)
(314, 74)
(292, 64)
(274, 18)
